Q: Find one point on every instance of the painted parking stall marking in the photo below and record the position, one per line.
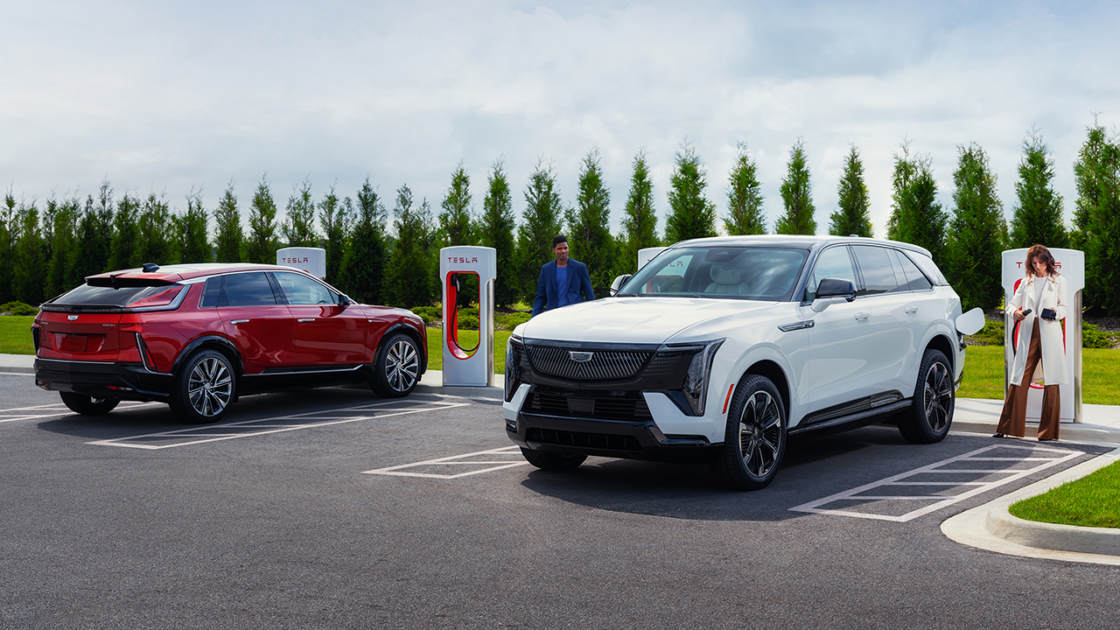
(39, 412)
(276, 424)
(453, 467)
(907, 496)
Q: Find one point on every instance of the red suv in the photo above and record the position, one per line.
(199, 336)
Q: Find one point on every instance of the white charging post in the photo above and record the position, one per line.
(647, 254)
(468, 366)
(313, 260)
(1071, 266)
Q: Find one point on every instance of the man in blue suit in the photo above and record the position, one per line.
(562, 280)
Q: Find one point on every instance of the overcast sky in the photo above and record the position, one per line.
(166, 96)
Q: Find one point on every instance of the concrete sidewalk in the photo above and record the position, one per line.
(988, 526)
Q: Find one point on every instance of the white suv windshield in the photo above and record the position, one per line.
(746, 273)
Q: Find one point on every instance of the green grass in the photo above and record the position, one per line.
(1091, 501)
(15, 334)
(983, 375)
(435, 348)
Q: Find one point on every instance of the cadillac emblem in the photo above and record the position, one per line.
(71, 317)
(580, 357)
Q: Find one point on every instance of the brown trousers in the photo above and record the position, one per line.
(1013, 420)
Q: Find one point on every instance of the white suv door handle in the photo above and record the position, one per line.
(911, 309)
(862, 315)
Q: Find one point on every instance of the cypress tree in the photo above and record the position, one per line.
(455, 220)
(1098, 184)
(227, 222)
(299, 228)
(154, 244)
(744, 197)
(90, 254)
(8, 223)
(797, 196)
(589, 222)
(854, 214)
(29, 261)
(126, 234)
(193, 232)
(334, 219)
(691, 215)
(916, 216)
(639, 225)
(974, 248)
(409, 279)
(64, 222)
(261, 246)
(1087, 170)
(363, 263)
(541, 221)
(1038, 216)
(495, 229)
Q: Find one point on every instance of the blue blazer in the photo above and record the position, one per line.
(579, 281)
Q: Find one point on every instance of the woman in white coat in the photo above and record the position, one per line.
(1039, 305)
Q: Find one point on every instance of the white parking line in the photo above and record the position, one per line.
(312, 419)
(857, 495)
(491, 464)
(62, 411)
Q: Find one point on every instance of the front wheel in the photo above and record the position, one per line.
(755, 442)
(203, 388)
(88, 405)
(930, 415)
(553, 461)
(397, 369)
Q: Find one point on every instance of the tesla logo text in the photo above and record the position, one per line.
(580, 357)
(1057, 264)
(460, 260)
(295, 260)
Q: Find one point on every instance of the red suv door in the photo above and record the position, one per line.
(325, 332)
(253, 318)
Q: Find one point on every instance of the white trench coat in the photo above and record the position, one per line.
(1050, 333)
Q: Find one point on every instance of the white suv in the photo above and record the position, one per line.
(719, 349)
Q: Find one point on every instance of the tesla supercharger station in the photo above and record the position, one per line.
(313, 260)
(1071, 265)
(468, 366)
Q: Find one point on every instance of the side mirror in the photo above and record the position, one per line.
(344, 301)
(833, 291)
(619, 282)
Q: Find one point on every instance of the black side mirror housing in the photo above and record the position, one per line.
(835, 287)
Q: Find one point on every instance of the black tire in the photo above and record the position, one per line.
(931, 414)
(397, 369)
(755, 442)
(553, 461)
(204, 387)
(87, 405)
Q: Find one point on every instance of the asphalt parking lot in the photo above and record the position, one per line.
(332, 508)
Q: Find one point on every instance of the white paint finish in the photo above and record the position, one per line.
(455, 460)
(856, 494)
(212, 433)
(313, 260)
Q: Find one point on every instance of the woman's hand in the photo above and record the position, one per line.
(1018, 315)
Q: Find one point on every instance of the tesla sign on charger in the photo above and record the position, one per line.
(313, 260)
(1071, 266)
(472, 270)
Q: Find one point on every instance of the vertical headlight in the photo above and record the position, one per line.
(695, 387)
(513, 366)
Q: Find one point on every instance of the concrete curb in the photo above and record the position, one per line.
(991, 526)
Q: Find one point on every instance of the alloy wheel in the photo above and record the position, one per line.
(760, 434)
(938, 396)
(210, 387)
(402, 366)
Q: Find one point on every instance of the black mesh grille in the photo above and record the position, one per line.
(580, 407)
(603, 365)
(586, 440)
